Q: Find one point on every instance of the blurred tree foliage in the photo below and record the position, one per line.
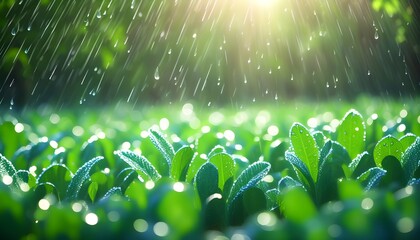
(98, 51)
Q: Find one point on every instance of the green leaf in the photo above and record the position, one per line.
(332, 169)
(81, 175)
(112, 191)
(6, 167)
(297, 206)
(297, 163)
(139, 163)
(57, 174)
(361, 164)
(387, 146)
(181, 162)
(206, 181)
(371, 177)
(216, 150)
(24, 176)
(305, 147)
(247, 179)
(351, 133)
(407, 140)
(225, 166)
(164, 147)
(286, 183)
(92, 190)
(319, 139)
(195, 164)
(411, 159)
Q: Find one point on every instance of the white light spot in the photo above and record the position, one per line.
(312, 122)
(178, 187)
(273, 130)
(374, 116)
(113, 216)
(101, 135)
(203, 156)
(205, 129)
(367, 203)
(44, 204)
(161, 229)
(188, 109)
(240, 236)
(32, 170)
(175, 138)
(78, 131)
(216, 118)
(262, 118)
(43, 139)
(76, 207)
(266, 219)
(238, 147)
(213, 196)
(229, 135)
(53, 144)
(59, 150)
(91, 219)
(125, 145)
(54, 118)
(144, 134)
(401, 128)
(403, 113)
(24, 187)
(140, 225)
(334, 123)
(268, 178)
(405, 225)
(164, 124)
(106, 170)
(19, 127)
(409, 190)
(150, 185)
(7, 180)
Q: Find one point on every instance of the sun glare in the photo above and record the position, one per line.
(264, 3)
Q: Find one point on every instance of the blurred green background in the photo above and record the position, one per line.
(67, 53)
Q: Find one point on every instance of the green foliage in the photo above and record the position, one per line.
(310, 185)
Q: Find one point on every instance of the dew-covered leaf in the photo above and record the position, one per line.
(371, 177)
(411, 158)
(286, 183)
(164, 147)
(248, 178)
(387, 146)
(57, 174)
(351, 133)
(139, 163)
(181, 162)
(92, 190)
(407, 140)
(6, 167)
(305, 148)
(360, 164)
(81, 175)
(112, 191)
(301, 167)
(225, 166)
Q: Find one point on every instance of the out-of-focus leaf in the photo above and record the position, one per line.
(297, 206)
(305, 148)
(351, 133)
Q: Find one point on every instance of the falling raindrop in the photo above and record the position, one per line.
(376, 35)
(98, 14)
(156, 75)
(15, 30)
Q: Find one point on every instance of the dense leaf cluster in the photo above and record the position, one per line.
(315, 184)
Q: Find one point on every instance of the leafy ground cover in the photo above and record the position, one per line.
(186, 172)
